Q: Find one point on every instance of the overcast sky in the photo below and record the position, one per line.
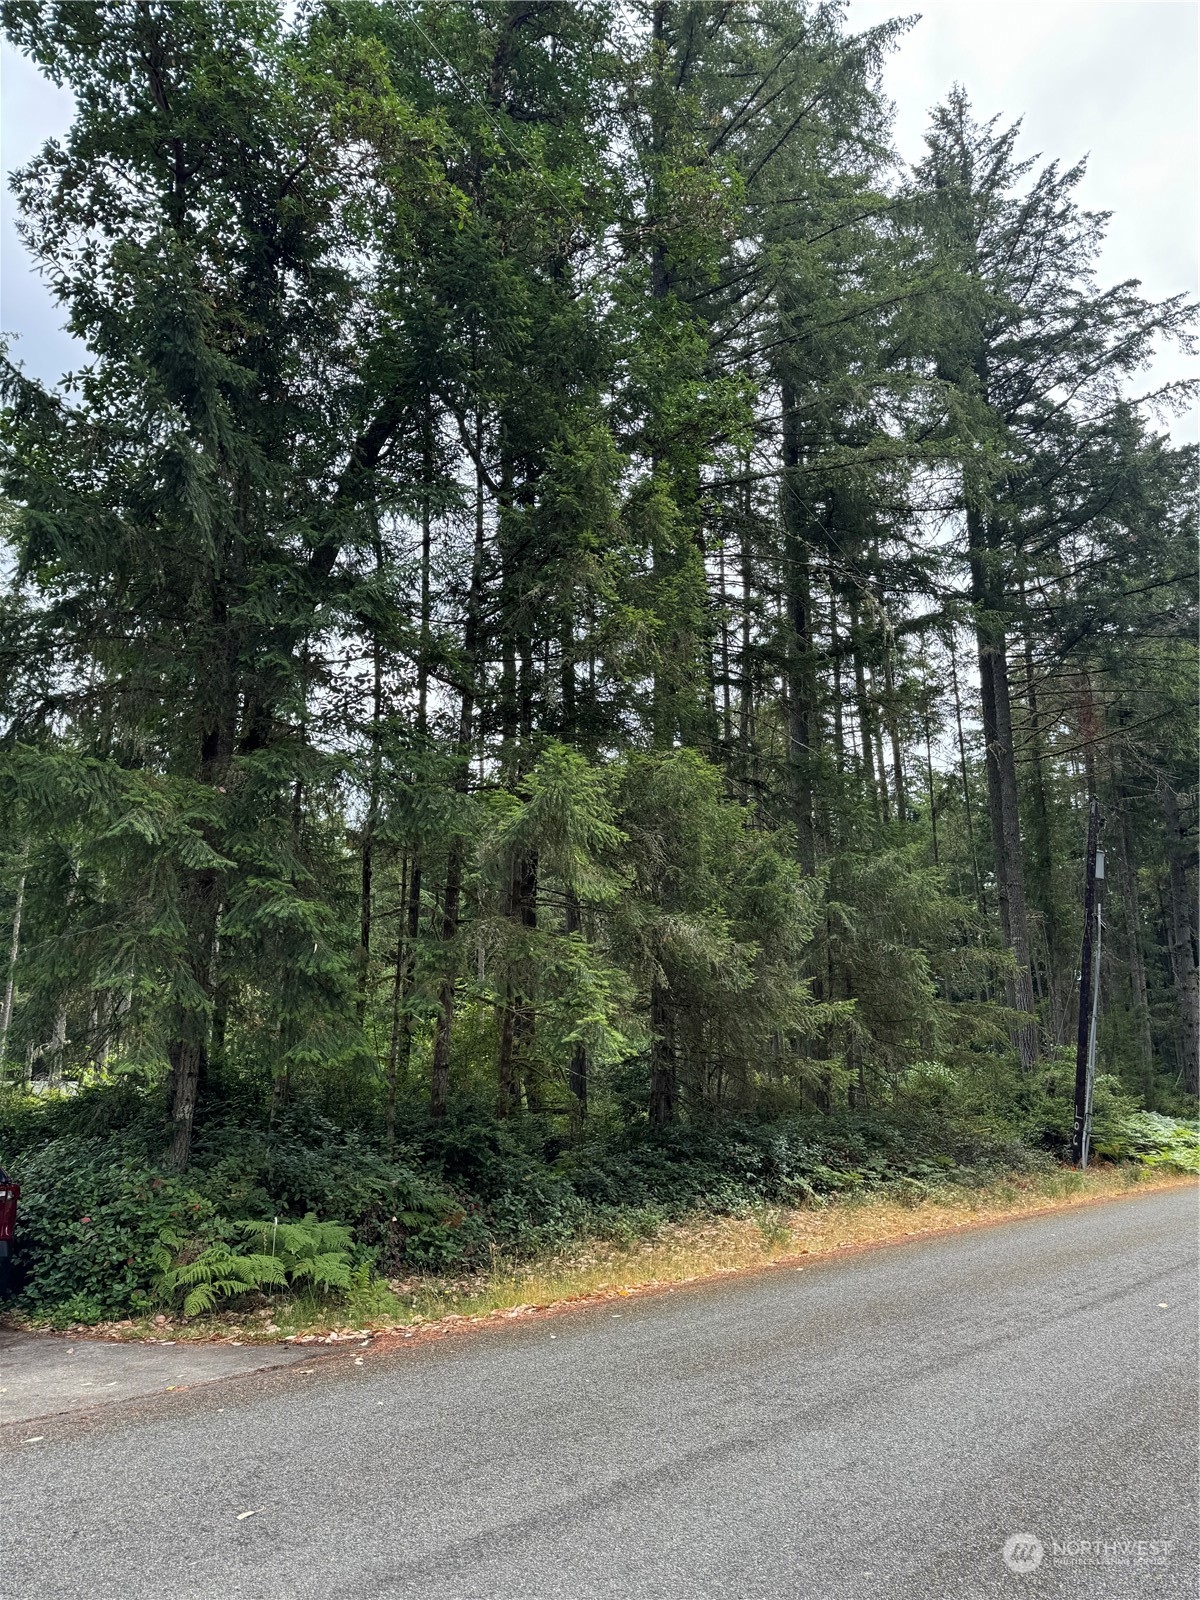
(1115, 80)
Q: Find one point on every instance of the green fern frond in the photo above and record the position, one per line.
(200, 1300)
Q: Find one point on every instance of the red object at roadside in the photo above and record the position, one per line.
(10, 1193)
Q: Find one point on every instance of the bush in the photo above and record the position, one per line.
(91, 1231)
(102, 1230)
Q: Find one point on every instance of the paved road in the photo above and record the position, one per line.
(880, 1425)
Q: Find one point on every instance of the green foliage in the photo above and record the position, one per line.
(718, 917)
(487, 750)
(1152, 1140)
(218, 1271)
(471, 1189)
(307, 1253)
(92, 1230)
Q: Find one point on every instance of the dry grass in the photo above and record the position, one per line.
(688, 1251)
(683, 1252)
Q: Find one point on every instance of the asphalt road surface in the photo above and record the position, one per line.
(886, 1424)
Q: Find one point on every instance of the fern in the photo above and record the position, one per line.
(290, 1253)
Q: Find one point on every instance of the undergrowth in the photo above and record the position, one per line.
(325, 1216)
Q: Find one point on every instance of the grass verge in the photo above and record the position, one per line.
(682, 1252)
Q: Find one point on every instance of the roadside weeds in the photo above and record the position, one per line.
(679, 1253)
(699, 1249)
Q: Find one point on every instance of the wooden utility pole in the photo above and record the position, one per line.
(1088, 984)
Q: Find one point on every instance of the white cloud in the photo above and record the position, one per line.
(1113, 80)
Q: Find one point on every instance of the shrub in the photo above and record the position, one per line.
(91, 1231)
(101, 1226)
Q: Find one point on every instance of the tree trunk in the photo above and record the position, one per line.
(746, 731)
(367, 861)
(203, 889)
(393, 1067)
(663, 1066)
(893, 725)
(13, 952)
(1181, 936)
(412, 921)
(980, 898)
(577, 1076)
(839, 731)
(57, 1047)
(517, 1023)
(187, 1050)
(930, 791)
(1127, 880)
(865, 735)
(439, 1077)
(885, 804)
(1003, 811)
(426, 553)
(1043, 875)
(508, 1075)
(801, 677)
(723, 640)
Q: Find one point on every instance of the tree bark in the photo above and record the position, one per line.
(802, 709)
(393, 1066)
(1003, 810)
(865, 733)
(664, 1087)
(220, 699)
(517, 1021)
(412, 927)
(439, 1076)
(367, 862)
(187, 1050)
(13, 952)
(980, 898)
(1126, 863)
(1043, 877)
(885, 803)
(893, 725)
(930, 791)
(746, 731)
(1181, 935)
(839, 731)
(577, 1074)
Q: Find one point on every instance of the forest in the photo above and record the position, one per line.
(558, 648)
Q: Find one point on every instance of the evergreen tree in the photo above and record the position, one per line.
(486, 621)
